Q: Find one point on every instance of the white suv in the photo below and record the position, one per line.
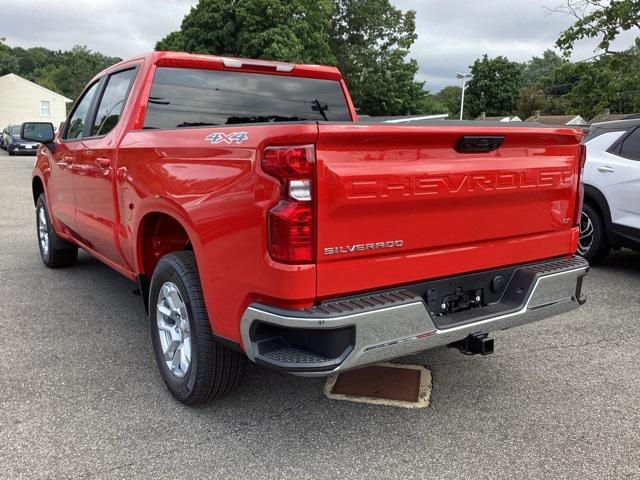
(611, 212)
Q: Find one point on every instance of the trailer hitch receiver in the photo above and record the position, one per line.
(476, 343)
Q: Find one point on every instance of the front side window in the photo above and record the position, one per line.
(45, 108)
(186, 97)
(112, 102)
(79, 117)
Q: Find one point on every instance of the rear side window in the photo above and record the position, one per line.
(79, 116)
(631, 146)
(184, 97)
(112, 102)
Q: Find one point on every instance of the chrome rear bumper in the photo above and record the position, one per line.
(391, 324)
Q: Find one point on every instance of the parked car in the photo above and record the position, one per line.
(4, 138)
(260, 220)
(3, 135)
(611, 212)
(15, 144)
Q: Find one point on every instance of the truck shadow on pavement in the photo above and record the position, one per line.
(623, 261)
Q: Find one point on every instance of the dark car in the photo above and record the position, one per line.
(14, 144)
(4, 137)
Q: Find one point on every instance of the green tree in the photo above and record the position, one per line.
(69, 72)
(587, 88)
(174, 42)
(293, 31)
(494, 88)
(431, 105)
(8, 62)
(539, 68)
(368, 40)
(601, 19)
(65, 72)
(450, 97)
(371, 41)
(532, 99)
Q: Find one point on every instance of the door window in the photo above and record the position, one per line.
(78, 118)
(112, 102)
(631, 146)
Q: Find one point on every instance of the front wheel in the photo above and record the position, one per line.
(592, 243)
(194, 366)
(54, 251)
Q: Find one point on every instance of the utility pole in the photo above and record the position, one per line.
(463, 77)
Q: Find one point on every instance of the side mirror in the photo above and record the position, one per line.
(41, 132)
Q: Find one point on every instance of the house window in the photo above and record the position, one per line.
(45, 108)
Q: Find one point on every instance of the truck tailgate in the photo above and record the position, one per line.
(398, 204)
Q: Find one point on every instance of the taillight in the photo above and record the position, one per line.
(290, 222)
(582, 159)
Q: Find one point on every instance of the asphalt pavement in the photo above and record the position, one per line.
(80, 395)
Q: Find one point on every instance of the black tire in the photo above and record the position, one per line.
(214, 370)
(599, 247)
(11, 153)
(59, 253)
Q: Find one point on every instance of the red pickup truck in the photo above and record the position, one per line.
(260, 219)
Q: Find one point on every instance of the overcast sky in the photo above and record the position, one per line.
(451, 33)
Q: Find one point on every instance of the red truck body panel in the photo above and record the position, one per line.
(221, 198)
(452, 212)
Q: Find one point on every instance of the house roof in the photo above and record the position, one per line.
(50, 92)
(609, 117)
(557, 119)
(500, 118)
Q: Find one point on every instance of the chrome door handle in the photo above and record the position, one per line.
(606, 169)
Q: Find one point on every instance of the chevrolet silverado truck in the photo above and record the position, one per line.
(261, 220)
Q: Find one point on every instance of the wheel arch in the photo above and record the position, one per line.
(160, 232)
(596, 198)
(161, 229)
(37, 188)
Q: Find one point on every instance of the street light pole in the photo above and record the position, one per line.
(463, 77)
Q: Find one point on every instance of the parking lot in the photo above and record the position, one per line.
(80, 394)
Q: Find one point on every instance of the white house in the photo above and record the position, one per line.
(24, 101)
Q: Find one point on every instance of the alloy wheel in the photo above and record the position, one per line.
(43, 231)
(174, 330)
(585, 240)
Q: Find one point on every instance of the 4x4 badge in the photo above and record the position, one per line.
(229, 138)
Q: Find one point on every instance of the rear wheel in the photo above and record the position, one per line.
(49, 243)
(195, 367)
(592, 244)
